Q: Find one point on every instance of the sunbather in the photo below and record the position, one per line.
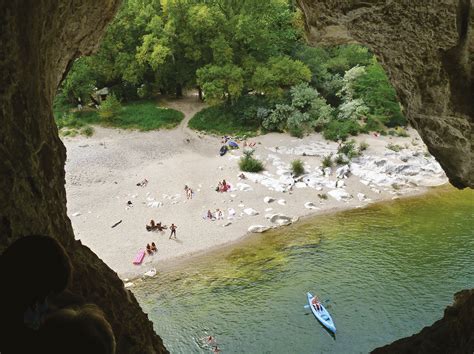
(143, 183)
(148, 249)
(153, 247)
(152, 225)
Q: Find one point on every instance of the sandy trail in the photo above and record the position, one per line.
(102, 172)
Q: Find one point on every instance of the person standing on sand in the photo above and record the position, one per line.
(173, 228)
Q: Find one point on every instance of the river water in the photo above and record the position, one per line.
(383, 272)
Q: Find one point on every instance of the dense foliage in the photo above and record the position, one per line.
(247, 59)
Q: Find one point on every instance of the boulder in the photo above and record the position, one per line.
(339, 194)
(258, 228)
(250, 211)
(310, 205)
(268, 200)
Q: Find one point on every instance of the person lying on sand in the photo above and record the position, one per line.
(153, 247)
(152, 225)
(242, 176)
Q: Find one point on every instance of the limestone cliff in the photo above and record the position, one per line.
(427, 49)
(454, 333)
(39, 41)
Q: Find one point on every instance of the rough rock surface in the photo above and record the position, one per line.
(458, 321)
(39, 41)
(427, 50)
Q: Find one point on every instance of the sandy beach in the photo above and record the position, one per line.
(102, 173)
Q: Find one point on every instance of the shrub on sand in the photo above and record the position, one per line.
(327, 161)
(248, 163)
(297, 167)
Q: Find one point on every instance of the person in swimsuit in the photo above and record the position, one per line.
(315, 302)
(173, 228)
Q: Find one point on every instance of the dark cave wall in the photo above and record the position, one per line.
(39, 40)
(427, 49)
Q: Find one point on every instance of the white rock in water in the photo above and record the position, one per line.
(150, 273)
(250, 211)
(327, 171)
(258, 228)
(339, 194)
(310, 205)
(281, 201)
(128, 285)
(268, 200)
(300, 185)
(361, 196)
(340, 183)
(343, 171)
(76, 214)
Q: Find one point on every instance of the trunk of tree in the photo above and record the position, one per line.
(179, 90)
(200, 93)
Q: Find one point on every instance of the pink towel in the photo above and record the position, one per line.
(139, 258)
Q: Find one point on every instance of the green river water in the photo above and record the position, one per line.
(384, 272)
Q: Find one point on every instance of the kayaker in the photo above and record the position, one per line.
(316, 303)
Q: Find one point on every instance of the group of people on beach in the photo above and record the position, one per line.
(160, 227)
(217, 215)
(151, 249)
(222, 186)
(155, 226)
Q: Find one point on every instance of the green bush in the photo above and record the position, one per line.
(110, 108)
(297, 167)
(399, 131)
(248, 163)
(327, 161)
(340, 129)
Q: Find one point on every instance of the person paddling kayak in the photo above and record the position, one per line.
(315, 302)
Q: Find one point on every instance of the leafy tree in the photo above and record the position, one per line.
(221, 83)
(375, 90)
(277, 120)
(80, 83)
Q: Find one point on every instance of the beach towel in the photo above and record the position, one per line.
(139, 258)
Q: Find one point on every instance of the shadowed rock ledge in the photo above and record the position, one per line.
(427, 49)
(458, 321)
(39, 41)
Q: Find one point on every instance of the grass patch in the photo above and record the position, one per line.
(297, 167)
(140, 115)
(394, 147)
(223, 120)
(327, 161)
(248, 163)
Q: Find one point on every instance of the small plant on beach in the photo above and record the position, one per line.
(110, 108)
(394, 147)
(327, 161)
(297, 167)
(363, 146)
(87, 131)
(248, 163)
(401, 132)
(323, 196)
(348, 149)
(341, 160)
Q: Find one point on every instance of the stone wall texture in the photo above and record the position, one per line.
(39, 41)
(427, 49)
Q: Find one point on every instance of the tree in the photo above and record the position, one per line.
(80, 83)
(221, 83)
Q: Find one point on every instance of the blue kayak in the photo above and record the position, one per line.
(322, 315)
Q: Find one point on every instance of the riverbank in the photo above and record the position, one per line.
(102, 173)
